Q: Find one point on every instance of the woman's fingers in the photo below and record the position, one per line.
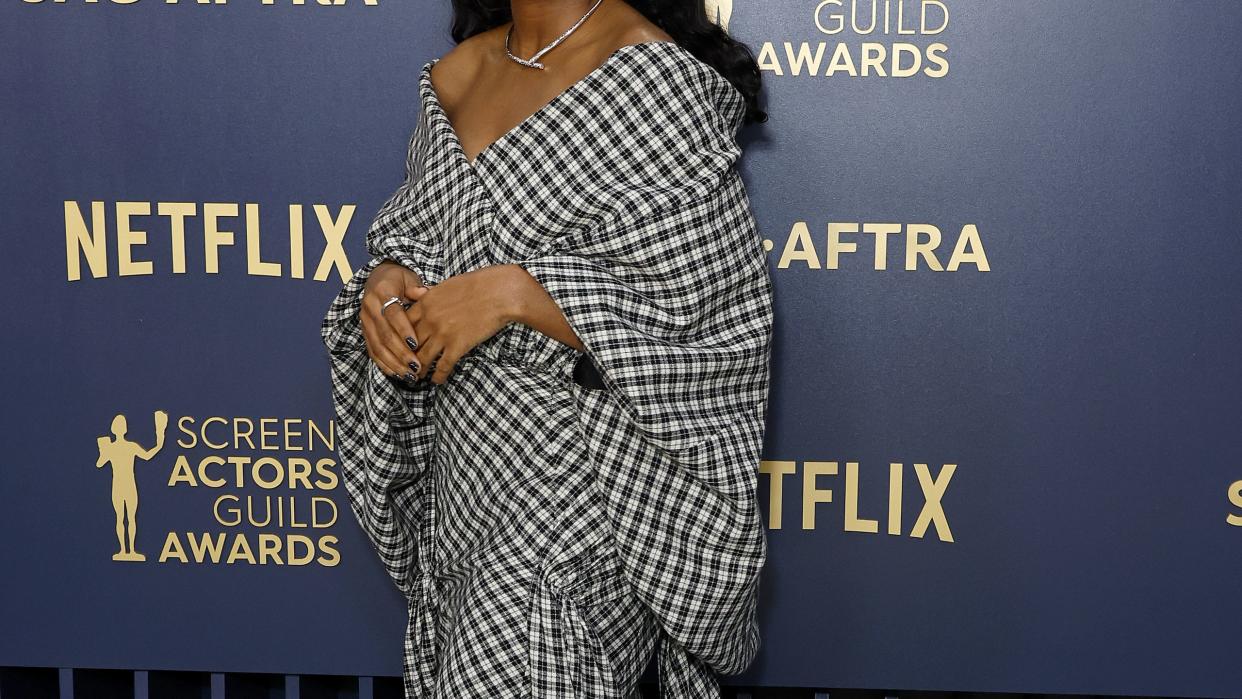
(384, 329)
(445, 365)
(376, 347)
(406, 341)
(395, 329)
(392, 341)
(429, 348)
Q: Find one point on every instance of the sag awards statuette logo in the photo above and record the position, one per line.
(244, 490)
(122, 454)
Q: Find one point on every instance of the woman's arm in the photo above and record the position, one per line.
(450, 318)
(530, 304)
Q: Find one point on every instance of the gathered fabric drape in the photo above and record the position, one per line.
(547, 536)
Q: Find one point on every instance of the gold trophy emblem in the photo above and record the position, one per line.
(122, 453)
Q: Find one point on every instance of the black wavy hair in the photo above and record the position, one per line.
(684, 20)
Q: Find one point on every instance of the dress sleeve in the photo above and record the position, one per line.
(402, 231)
(384, 429)
(674, 308)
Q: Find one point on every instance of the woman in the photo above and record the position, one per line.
(550, 380)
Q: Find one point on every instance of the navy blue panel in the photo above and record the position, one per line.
(1084, 387)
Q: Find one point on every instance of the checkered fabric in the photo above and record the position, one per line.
(550, 537)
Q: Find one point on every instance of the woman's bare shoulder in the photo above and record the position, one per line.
(629, 26)
(460, 64)
(642, 31)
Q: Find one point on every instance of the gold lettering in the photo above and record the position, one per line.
(811, 494)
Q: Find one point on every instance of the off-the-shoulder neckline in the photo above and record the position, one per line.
(432, 99)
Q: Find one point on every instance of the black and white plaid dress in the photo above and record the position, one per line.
(549, 537)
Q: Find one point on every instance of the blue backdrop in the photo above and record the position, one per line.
(1005, 443)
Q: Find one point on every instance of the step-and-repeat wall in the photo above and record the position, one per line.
(1005, 437)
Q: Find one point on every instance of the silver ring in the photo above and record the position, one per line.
(391, 301)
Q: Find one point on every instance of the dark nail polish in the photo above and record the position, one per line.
(410, 378)
(412, 343)
(415, 367)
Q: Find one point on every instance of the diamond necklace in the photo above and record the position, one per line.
(533, 61)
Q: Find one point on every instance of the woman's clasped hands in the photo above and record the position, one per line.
(432, 325)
